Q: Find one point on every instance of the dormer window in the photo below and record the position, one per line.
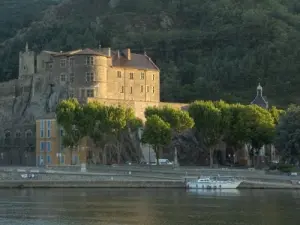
(89, 60)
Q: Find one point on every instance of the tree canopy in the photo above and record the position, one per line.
(157, 133)
(178, 120)
(94, 120)
(287, 139)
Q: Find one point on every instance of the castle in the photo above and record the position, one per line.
(28, 103)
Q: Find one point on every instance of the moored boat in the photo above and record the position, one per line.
(213, 183)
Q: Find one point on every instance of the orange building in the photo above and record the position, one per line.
(49, 146)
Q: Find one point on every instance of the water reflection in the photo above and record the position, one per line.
(211, 192)
(148, 207)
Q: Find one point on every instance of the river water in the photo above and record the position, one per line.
(148, 207)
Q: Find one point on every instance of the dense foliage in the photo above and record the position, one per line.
(288, 135)
(157, 133)
(163, 124)
(102, 124)
(206, 49)
(235, 124)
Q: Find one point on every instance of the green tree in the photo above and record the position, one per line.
(288, 135)
(276, 113)
(157, 133)
(69, 116)
(178, 119)
(104, 123)
(259, 126)
(209, 122)
(237, 132)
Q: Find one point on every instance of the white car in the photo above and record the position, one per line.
(163, 162)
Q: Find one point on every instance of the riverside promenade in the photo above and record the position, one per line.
(125, 176)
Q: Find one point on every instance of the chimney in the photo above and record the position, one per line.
(107, 51)
(118, 53)
(128, 53)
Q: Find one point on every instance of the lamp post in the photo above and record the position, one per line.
(149, 158)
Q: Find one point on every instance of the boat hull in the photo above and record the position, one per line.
(213, 185)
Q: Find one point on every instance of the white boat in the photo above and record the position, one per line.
(213, 183)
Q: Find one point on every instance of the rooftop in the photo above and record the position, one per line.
(119, 58)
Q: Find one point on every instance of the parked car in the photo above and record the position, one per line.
(162, 162)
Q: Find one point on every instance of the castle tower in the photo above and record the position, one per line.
(26, 62)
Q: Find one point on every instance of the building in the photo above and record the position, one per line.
(100, 73)
(259, 99)
(111, 77)
(50, 149)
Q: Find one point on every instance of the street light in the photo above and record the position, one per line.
(149, 158)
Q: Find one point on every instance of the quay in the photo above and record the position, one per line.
(134, 177)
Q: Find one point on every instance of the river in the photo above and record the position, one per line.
(148, 207)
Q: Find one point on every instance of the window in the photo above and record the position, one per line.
(82, 93)
(142, 76)
(62, 77)
(42, 122)
(142, 88)
(71, 61)
(90, 93)
(63, 63)
(18, 134)
(89, 76)
(48, 159)
(153, 89)
(89, 60)
(49, 128)
(7, 134)
(42, 146)
(119, 74)
(131, 76)
(61, 132)
(72, 77)
(122, 89)
(148, 89)
(48, 144)
(130, 90)
(153, 76)
(28, 133)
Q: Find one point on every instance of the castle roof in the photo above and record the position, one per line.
(119, 59)
(139, 61)
(259, 99)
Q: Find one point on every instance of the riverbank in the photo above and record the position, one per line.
(133, 184)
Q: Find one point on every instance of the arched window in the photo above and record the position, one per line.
(18, 134)
(7, 137)
(7, 134)
(28, 133)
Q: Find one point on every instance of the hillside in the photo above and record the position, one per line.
(207, 49)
